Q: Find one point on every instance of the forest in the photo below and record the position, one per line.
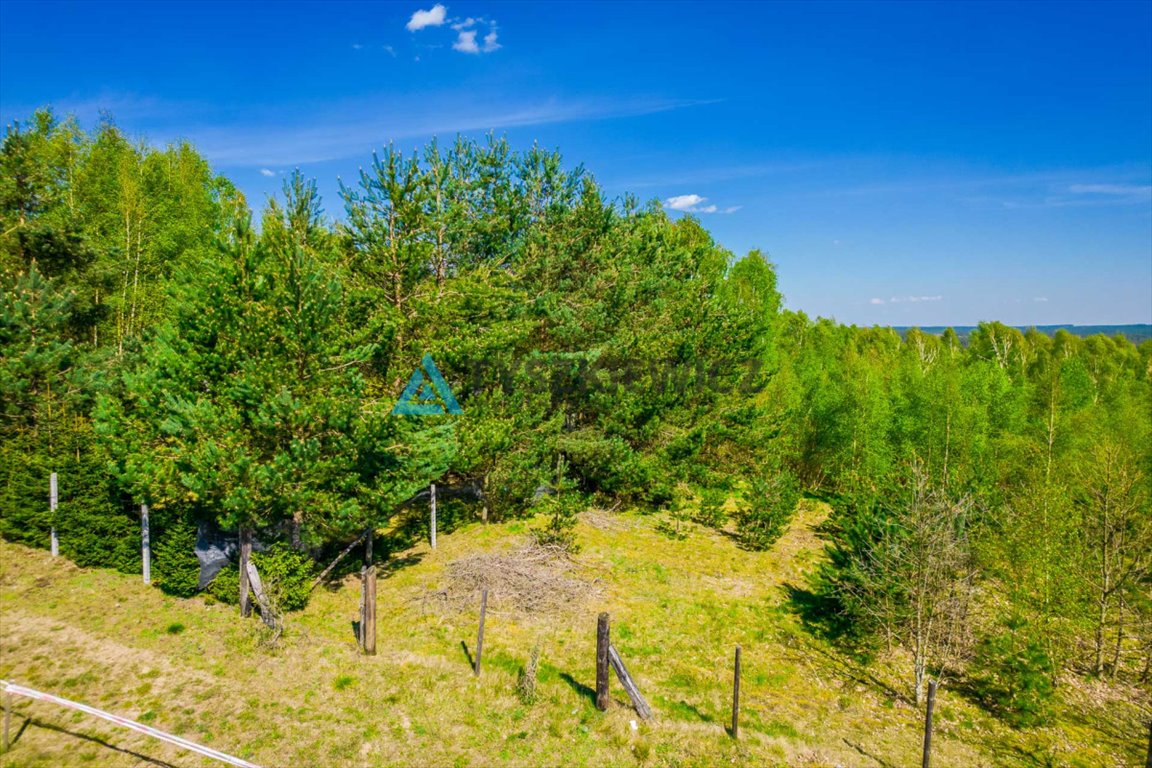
(165, 341)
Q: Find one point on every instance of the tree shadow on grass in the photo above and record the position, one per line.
(579, 687)
(879, 760)
(95, 740)
(820, 615)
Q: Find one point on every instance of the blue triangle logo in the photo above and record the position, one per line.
(427, 394)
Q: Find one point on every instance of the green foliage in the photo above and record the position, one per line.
(176, 567)
(768, 508)
(1017, 678)
(560, 505)
(710, 510)
(285, 573)
(154, 347)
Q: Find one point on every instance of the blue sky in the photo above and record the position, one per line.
(902, 163)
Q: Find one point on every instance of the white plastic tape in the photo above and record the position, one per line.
(20, 690)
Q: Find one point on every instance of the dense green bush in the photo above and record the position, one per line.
(176, 566)
(286, 574)
(765, 512)
(710, 511)
(1017, 678)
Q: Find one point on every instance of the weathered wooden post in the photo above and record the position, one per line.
(145, 544)
(602, 642)
(52, 500)
(368, 623)
(245, 555)
(433, 487)
(629, 684)
(928, 724)
(736, 697)
(480, 634)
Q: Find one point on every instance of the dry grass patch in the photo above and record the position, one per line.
(530, 579)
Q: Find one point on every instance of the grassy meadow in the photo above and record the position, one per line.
(678, 608)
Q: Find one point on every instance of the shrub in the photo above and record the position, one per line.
(710, 511)
(177, 568)
(1018, 679)
(286, 574)
(766, 511)
(526, 684)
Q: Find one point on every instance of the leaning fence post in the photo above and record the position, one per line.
(145, 544)
(928, 724)
(52, 500)
(633, 690)
(602, 662)
(433, 526)
(736, 697)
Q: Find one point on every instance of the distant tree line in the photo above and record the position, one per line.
(991, 501)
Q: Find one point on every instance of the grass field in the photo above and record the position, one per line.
(678, 607)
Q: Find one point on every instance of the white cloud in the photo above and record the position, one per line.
(683, 202)
(466, 37)
(434, 17)
(390, 50)
(466, 42)
(692, 204)
(910, 299)
(267, 172)
(876, 301)
(1040, 299)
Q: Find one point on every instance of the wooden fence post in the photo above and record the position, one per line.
(629, 684)
(245, 555)
(52, 501)
(736, 697)
(480, 634)
(602, 641)
(7, 719)
(145, 544)
(928, 724)
(433, 487)
(368, 623)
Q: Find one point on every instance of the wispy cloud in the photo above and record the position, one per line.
(694, 204)
(905, 300)
(267, 172)
(279, 136)
(1142, 190)
(434, 17)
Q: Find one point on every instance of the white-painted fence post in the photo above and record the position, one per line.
(52, 504)
(433, 515)
(146, 543)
